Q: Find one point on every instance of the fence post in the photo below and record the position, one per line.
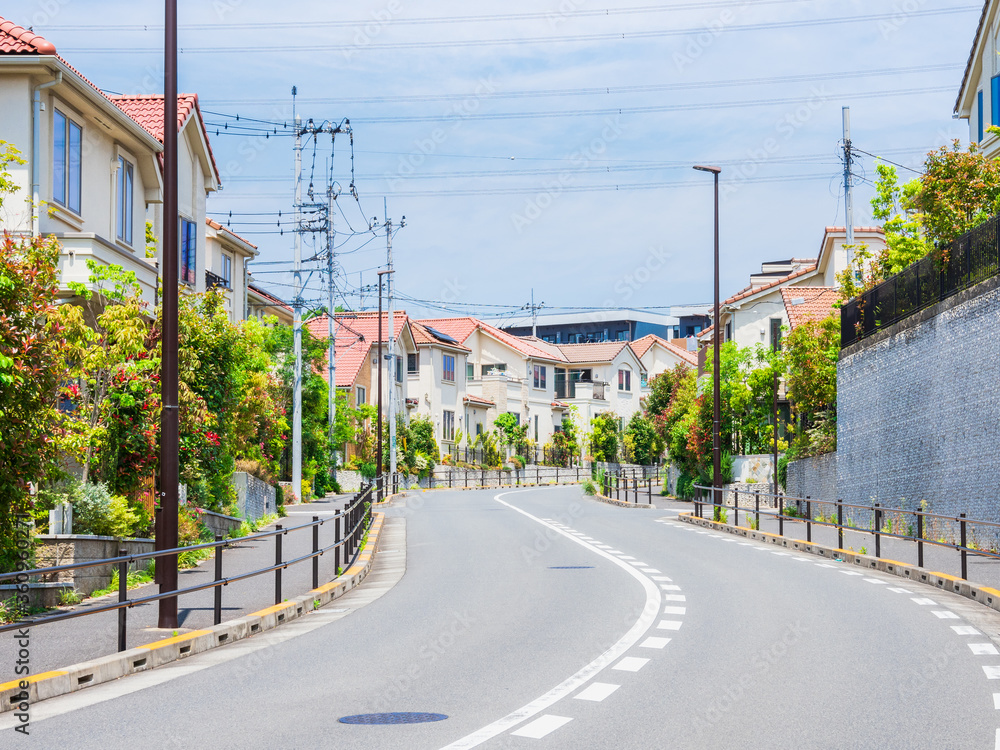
(122, 597)
(156, 526)
(538, 471)
(809, 518)
(315, 550)
(449, 479)
(840, 525)
(557, 475)
(218, 577)
(920, 539)
(756, 509)
(336, 550)
(781, 517)
(965, 553)
(482, 480)
(878, 528)
(736, 507)
(277, 561)
(649, 490)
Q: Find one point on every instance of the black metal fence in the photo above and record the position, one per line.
(532, 455)
(967, 536)
(628, 484)
(350, 526)
(972, 258)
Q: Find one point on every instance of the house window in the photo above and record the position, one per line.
(470, 370)
(995, 100)
(448, 426)
(126, 181)
(624, 380)
(412, 363)
(449, 368)
(729, 331)
(399, 369)
(643, 379)
(494, 369)
(67, 158)
(775, 333)
(979, 100)
(227, 270)
(622, 335)
(189, 248)
(539, 378)
(360, 396)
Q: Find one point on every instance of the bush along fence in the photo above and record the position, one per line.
(965, 536)
(350, 526)
(972, 258)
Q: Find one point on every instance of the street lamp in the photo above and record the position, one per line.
(392, 325)
(717, 344)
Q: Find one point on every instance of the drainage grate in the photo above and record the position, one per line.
(395, 718)
(571, 567)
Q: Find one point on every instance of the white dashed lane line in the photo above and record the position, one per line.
(631, 664)
(654, 642)
(596, 692)
(542, 726)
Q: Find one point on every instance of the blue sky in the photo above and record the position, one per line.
(547, 144)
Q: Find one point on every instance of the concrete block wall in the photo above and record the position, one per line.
(255, 498)
(65, 549)
(919, 410)
(814, 477)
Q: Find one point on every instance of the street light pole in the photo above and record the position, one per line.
(166, 533)
(716, 372)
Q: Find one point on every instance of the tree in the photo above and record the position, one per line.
(604, 437)
(510, 431)
(811, 352)
(643, 445)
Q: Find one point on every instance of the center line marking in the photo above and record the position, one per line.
(631, 664)
(923, 602)
(541, 727)
(597, 692)
(945, 614)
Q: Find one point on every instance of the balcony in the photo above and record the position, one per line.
(213, 281)
(583, 389)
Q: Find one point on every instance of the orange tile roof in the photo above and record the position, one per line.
(18, 40)
(422, 336)
(479, 401)
(220, 228)
(461, 328)
(148, 112)
(681, 351)
(643, 345)
(752, 290)
(268, 296)
(601, 351)
(356, 332)
(817, 303)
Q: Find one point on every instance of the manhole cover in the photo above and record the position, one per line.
(571, 567)
(395, 718)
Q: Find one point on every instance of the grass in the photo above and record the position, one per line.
(134, 579)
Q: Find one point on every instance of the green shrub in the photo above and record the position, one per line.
(783, 472)
(589, 488)
(685, 487)
(96, 511)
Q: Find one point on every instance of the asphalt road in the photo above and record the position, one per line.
(541, 618)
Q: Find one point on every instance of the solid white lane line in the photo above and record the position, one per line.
(654, 642)
(992, 673)
(674, 598)
(996, 703)
(983, 649)
(669, 587)
(923, 602)
(541, 727)
(596, 691)
(572, 683)
(669, 625)
(631, 664)
(945, 614)
(675, 610)
(965, 630)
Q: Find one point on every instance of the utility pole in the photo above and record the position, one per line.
(534, 313)
(848, 187)
(297, 307)
(331, 306)
(391, 358)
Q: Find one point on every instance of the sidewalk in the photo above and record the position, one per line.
(69, 642)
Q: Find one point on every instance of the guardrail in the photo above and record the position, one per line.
(356, 519)
(483, 478)
(618, 482)
(880, 521)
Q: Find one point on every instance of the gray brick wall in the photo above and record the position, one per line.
(919, 410)
(814, 477)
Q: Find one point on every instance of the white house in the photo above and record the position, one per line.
(91, 171)
(658, 355)
(601, 377)
(226, 258)
(979, 96)
(437, 386)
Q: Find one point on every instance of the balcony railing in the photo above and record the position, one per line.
(213, 281)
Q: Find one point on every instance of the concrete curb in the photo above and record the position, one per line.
(985, 595)
(620, 503)
(107, 668)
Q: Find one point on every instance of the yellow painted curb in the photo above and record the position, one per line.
(16, 684)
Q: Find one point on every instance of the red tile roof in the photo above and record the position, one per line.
(752, 290)
(816, 303)
(270, 297)
(476, 400)
(682, 351)
(602, 351)
(220, 228)
(422, 336)
(351, 327)
(148, 112)
(643, 345)
(18, 40)
(461, 328)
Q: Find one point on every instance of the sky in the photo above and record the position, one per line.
(542, 147)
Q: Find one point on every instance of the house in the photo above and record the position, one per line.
(356, 347)
(757, 314)
(659, 355)
(600, 377)
(226, 258)
(506, 374)
(809, 303)
(437, 385)
(979, 96)
(91, 173)
(261, 304)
